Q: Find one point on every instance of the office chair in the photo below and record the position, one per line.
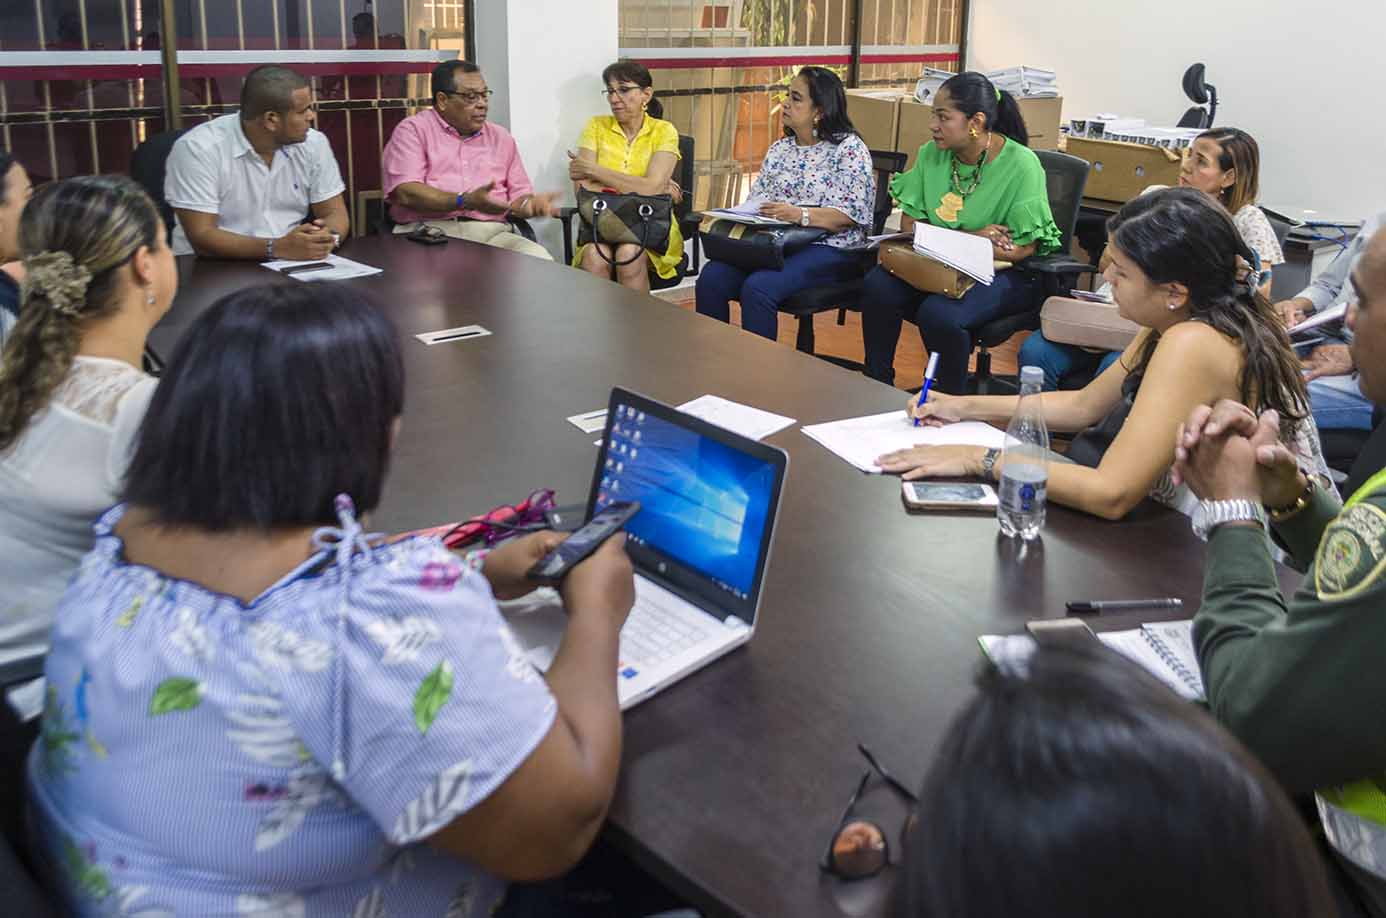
(149, 165)
(1200, 93)
(1065, 177)
(684, 215)
(24, 895)
(845, 295)
(1370, 454)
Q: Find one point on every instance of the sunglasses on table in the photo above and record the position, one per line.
(860, 848)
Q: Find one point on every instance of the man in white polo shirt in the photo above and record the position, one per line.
(260, 183)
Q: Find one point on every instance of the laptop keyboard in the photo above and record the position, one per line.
(654, 632)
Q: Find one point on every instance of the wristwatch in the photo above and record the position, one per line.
(989, 462)
(803, 216)
(1210, 514)
(336, 241)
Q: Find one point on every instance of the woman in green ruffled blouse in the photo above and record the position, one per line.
(976, 175)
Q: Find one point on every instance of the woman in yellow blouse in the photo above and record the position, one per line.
(631, 151)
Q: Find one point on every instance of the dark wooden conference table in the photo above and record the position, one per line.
(732, 780)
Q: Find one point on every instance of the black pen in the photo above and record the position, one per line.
(1098, 606)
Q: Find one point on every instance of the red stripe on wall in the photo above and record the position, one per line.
(198, 71)
(789, 60)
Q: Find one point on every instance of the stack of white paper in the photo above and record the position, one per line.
(929, 82)
(1026, 82)
(745, 212)
(861, 441)
(958, 250)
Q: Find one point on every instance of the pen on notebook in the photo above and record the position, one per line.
(1098, 606)
(928, 381)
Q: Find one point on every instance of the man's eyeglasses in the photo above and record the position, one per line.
(859, 847)
(618, 91)
(472, 98)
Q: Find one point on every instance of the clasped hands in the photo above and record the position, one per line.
(1227, 452)
(934, 461)
(584, 171)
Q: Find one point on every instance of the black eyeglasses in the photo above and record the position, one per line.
(471, 98)
(618, 91)
(859, 848)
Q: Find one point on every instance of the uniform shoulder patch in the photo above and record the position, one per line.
(1352, 553)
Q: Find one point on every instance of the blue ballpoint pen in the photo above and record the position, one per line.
(928, 381)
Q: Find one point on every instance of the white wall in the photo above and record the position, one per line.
(544, 59)
(1305, 79)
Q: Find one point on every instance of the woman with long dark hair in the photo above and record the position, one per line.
(1207, 335)
(979, 176)
(1073, 783)
(818, 175)
(633, 151)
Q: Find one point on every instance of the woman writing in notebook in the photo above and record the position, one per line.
(1206, 334)
(977, 175)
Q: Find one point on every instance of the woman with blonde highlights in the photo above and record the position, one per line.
(98, 275)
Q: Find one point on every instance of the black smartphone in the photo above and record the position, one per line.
(554, 566)
(311, 266)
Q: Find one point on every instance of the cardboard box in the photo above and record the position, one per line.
(875, 115)
(1042, 117)
(1118, 172)
(1042, 120)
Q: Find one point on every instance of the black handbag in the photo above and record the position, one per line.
(625, 219)
(754, 248)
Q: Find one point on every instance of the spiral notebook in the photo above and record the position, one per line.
(1164, 649)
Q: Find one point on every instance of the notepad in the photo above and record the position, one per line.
(339, 268)
(861, 441)
(958, 250)
(746, 212)
(736, 417)
(1163, 649)
(1332, 314)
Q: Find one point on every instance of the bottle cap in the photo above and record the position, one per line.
(1032, 375)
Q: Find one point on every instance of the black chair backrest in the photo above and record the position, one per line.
(148, 167)
(1281, 227)
(886, 163)
(685, 177)
(1196, 117)
(1065, 177)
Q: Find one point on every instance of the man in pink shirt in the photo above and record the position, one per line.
(450, 168)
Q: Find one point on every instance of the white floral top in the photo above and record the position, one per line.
(836, 175)
(201, 756)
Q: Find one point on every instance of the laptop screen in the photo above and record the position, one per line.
(707, 499)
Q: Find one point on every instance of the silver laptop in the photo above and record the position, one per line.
(709, 500)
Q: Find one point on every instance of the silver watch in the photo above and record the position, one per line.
(989, 462)
(1210, 514)
(803, 216)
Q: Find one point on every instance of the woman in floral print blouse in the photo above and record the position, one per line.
(819, 174)
(255, 708)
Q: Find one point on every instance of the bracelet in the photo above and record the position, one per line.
(517, 204)
(1281, 514)
(461, 200)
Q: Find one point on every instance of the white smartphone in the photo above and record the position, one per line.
(943, 495)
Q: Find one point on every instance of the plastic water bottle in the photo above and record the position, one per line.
(1025, 468)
